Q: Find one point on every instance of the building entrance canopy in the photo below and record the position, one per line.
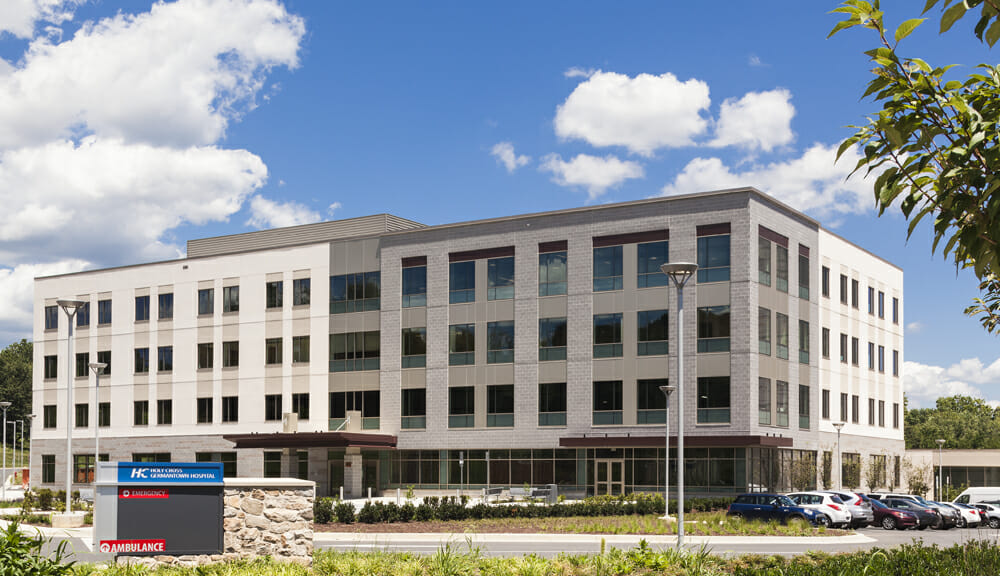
(314, 440)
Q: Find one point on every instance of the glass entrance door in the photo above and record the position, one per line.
(609, 477)
(369, 477)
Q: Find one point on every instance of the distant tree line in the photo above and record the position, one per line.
(962, 421)
(15, 380)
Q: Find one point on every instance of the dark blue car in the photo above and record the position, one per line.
(771, 507)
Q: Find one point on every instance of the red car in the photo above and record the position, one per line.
(893, 518)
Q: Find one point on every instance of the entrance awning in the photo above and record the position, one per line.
(313, 440)
(625, 441)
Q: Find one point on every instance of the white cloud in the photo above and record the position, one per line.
(504, 153)
(18, 17)
(914, 327)
(757, 121)
(642, 114)
(924, 384)
(17, 291)
(755, 61)
(266, 213)
(594, 174)
(333, 208)
(576, 72)
(811, 182)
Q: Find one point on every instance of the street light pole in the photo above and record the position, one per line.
(19, 454)
(679, 273)
(667, 390)
(839, 464)
(3, 475)
(940, 491)
(97, 368)
(70, 307)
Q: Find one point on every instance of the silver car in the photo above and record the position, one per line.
(861, 511)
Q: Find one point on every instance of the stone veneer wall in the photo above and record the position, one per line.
(271, 520)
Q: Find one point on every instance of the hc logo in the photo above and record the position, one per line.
(139, 472)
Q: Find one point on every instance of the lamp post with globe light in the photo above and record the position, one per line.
(70, 307)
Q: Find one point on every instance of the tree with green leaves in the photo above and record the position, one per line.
(962, 422)
(935, 144)
(15, 379)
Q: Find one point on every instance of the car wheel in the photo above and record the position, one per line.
(962, 523)
(994, 523)
(939, 525)
(924, 527)
(823, 520)
(888, 523)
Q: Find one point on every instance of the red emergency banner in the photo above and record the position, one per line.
(132, 546)
(132, 493)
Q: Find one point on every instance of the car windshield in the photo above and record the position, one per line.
(877, 504)
(836, 499)
(780, 500)
(924, 502)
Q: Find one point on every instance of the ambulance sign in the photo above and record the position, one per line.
(132, 546)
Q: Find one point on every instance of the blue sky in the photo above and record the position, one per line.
(127, 128)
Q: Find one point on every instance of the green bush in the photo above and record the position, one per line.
(45, 499)
(344, 512)
(22, 554)
(323, 510)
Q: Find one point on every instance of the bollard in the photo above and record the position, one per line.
(341, 493)
(397, 496)
(369, 493)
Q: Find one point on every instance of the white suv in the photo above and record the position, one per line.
(830, 505)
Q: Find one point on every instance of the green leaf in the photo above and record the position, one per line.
(930, 4)
(908, 27)
(850, 22)
(952, 15)
(993, 34)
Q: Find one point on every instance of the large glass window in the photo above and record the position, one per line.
(895, 362)
(206, 301)
(764, 401)
(82, 364)
(204, 406)
(272, 407)
(651, 402)
(500, 342)
(104, 414)
(228, 460)
(713, 400)
(414, 348)
(843, 289)
(854, 293)
(895, 310)
(166, 306)
(231, 354)
(461, 407)
(782, 280)
(825, 282)
(300, 405)
(51, 367)
(607, 335)
(165, 412)
(83, 315)
(165, 359)
(764, 331)
(141, 360)
(854, 351)
(781, 391)
(414, 286)
(82, 415)
(551, 339)
(713, 329)
(500, 278)
(500, 406)
(763, 261)
(552, 404)
(871, 300)
(652, 338)
(48, 468)
(355, 292)
(803, 407)
(206, 355)
(230, 408)
(607, 268)
(104, 312)
(272, 464)
(607, 402)
(142, 308)
(713, 258)
(803, 342)
(462, 282)
(871, 355)
(651, 256)
(781, 334)
(274, 293)
(49, 416)
(803, 276)
(140, 413)
(300, 349)
(231, 299)
(301, 292)
(881, 304)
(855, 408)
(825, 342)
(413, 410)
(881, 358)
(354, 351)
(843, 407)
(461, 344)
(552, 273)
(825, 405)
(273, 350)
(51, 317)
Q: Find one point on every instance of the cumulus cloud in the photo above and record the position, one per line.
(642, 114)
(266, 213)
(757, 121)
(17, 291)
(755, 61)
(576, 72)
(592, 173)
(924, 384)
(333, 208)
(18, 17)
(504, 153)
(811, 182)
(914, 327)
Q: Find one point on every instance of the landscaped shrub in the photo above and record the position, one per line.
(45, 499)
(344, 512)
(22, 554)
(323, 510)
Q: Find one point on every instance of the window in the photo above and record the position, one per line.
(551, 339)
(82, 364)
(274, 294)
(205, 412)
(713, 258)
(552, 273)
(843, 407)
(300, 349)
(206, 356)
(825, 282)
(51, 367)
(854, 293)
(607, 268)
(414, 348)
(51, 317)
(165, 359)
(104, 357)
(151, 457)
(301, 292)
(855, 408)
(49, 416)
(462, 282)
(48, 468)
(206, 301)
(713, 328)
(826, 405)
(782, 280)
(843, 289)
(104, 414)
(461, 407)
(230, 298)
(803, 342)
(164, 412)
(764, 401)
(272, 407)
(881, 304)
(803, 407)
(881, 413)
(825, 342)
(83, 467)
(871, 300)
(414, 286)
(854, 351)
(300, 405)
(228, 460)
(552, 404)
(413, 411)
(500, 278)
(354, 351)
(141, 360)
(652, 338)
(607, 402)
(272, 350)
(500, 406)
(651, 256)
(713, 400)
(357, 292)
(82, 415)
(607, 335)
(881, 359)
(763, 261)
(272, 464)
(103, 312)
(366, 402)
(781, 391)
(871, 411)
(142, 308)
(461, 344)
(803, 273)
(231, 354)
(140, 413)
(83, 315)
(651, 402)
(764, 331)
(895, 415)
(843, 348)
(500, 342)
(230, 408)
(781, 335)
(871, 355)
(895, 310)
(165, 310)
(895, 362)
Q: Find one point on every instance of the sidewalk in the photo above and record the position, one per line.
(389, 538)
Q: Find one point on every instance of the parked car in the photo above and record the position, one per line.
(770, 507)
(947, 517)
(926, 517)
(830, 505)
(893, 518)
(967, 517)
(978, 494)
(992, 514)
(861, 511)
